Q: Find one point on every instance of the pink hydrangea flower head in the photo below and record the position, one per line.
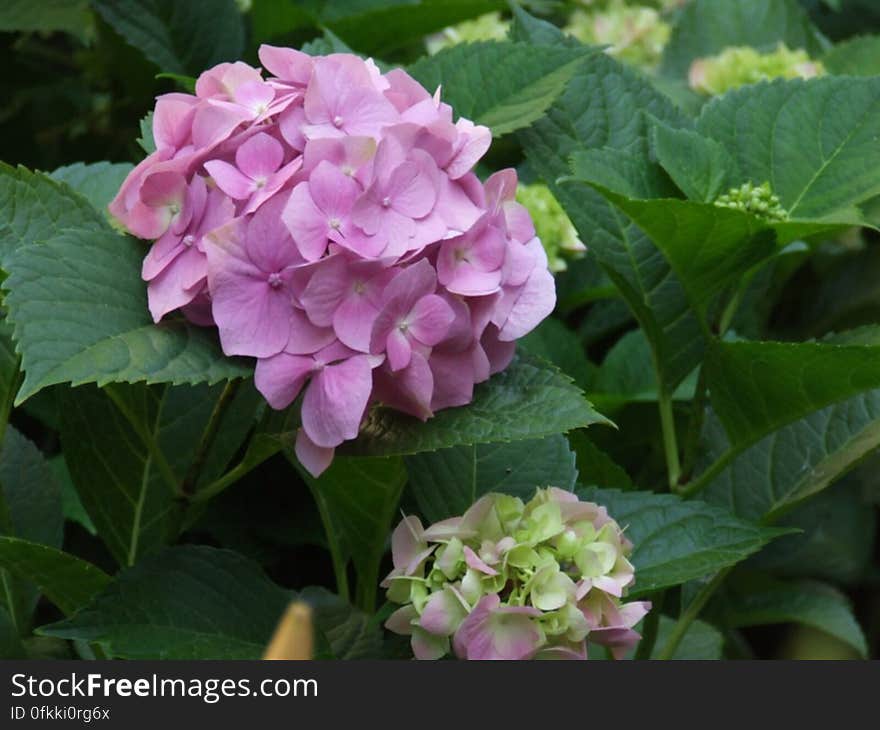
(325, 217)
(514, 580)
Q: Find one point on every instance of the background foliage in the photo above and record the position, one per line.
(149, 503)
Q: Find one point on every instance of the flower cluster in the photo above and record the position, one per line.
(756, 199)
(636, 34)
(741, 65)
(552, 224)
(327, 220)
(488, 27)
(509, 580)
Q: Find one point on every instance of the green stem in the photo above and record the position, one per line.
(670, 442)
(208, 437)
(340, 564)
(147, 438)
(696, 486)
(651, 627)
(695, 426)
(690, 615)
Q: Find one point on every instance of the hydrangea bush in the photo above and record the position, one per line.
(540, 330)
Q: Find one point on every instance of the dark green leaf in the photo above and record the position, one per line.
(595, 468)
(855, 57)
(79, 309)
(698, 165)
(556, 343)
(524, 83)
(71, 16)
(35, 207)
(69, 582)
(676, 541)
(189, 602)
(530, 399)
(350, 633)
(814, 141)
(179, 37)
(603, 106)
(701, 642)
(97, 182)
(446, 482)
(756, 600)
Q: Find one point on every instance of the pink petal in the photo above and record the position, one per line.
(398, 349)
(281, 377)
(443, 613)
(286, 63)
(473, 561)
(335, 402)
(332, 191)
(401, 621)
(260, 156)
(408, 390)
(429, 320)
(315, 459)
(305, 337)
(326, 289)
(228, 178)
(353, 321)
(407, 544)
(533, 303)
(306, 223)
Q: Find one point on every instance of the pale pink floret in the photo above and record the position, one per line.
(492, 631)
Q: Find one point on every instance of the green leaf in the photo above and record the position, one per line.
(71, 505)
(755, 600)
(446, 482)
(528, 400)
(70, 16)
(69, 582)
(381, 26)
(36, 207)
(79, 310)
(146, 141)
(524, 83)
(702, 641)
(359, 497)
(595, 468)
(188, 602)
(350, 633)
(707, 27)
(855, 57)
(698, 165)
(97, 182)
(795, 461)
(708, 246)
(626, 375)
(814, 141)
(30, 508)
(554, 342)
(181, 38)
(757, 387)
(606, 105)
(836, 539)
(676, 541)
(129, 449)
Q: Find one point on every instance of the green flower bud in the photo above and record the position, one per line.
(488, 27)
(756, 199)
(741, 65)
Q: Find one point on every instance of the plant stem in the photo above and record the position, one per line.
(690, 614)
(340, 564)
(670, 442)
(696, 486)
(208, 437)
(651, 627)
(695, 426)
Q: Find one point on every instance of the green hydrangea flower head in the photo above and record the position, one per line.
(552, 225)
(741, 65)
(636, 34)
(756, 199)
(488, 27)
(514, 580)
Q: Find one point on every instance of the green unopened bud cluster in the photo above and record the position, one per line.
(488, 27)
(552, 225)
(756, 199)
(741, 65)
(635, 33)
